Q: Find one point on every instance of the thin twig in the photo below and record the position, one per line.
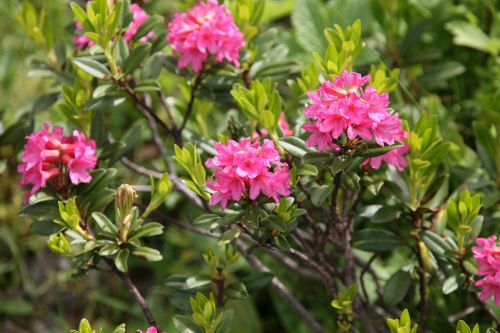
(196, 84)
(422, 291)
(142, 106)
(280, 288)
(179, 185)
(135, 292)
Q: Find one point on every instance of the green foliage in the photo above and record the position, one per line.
(85, 328)
(427, 154)
(159, 192)
(189, 158)
(462, 215)
(403, 324)
(344, 304)
(261, 103)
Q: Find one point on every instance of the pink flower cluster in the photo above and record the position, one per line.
(487, 255)
(48, 155)
(246, 168)
(206, 29)
(343, 107)
(82, 42)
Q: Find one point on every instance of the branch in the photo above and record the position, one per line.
(189, 110)
(142, 106)
(422, 291)
(179, 185)
(135, 292)
(280, 288)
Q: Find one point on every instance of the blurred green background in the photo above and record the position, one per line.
(448, 52)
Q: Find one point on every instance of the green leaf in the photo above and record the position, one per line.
(386, 214)
(228, 236)
(485, 138)
(294, 146)
(15, 307)
(149, 85)
(442, 72)
(317, 158)
(206, 218)
(185, 324)
(435, 243)
(462, 327)
(92, 67)
(380, 150)
(109, 249)
(120, 329)
(452, 283)
(225, 324)
(470, 35)
(257, 280)
(136, 57)
(121, 260)
(236, 290)
(147, 230)
(376, 240)
(320, 194)
(309, 19)
(396, 287)
(147, 253)
(104, 223)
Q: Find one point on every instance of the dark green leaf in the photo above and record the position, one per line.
(317, 158)
(320, 194)
(136, 57)
(121, 260)
(376, 240)
(92, 67)
(147, 253)
(396, 288)
(257, 280)
(294, 146)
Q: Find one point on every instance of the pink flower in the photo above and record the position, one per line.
(139, 18)
(487, 256)
(150, 330)
(246, 169)
(80, 40)
(206, 29)
(49, 155)
(342, 107)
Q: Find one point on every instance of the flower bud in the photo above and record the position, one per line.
(124, 200)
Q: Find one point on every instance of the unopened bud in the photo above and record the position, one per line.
(124, 200)
(124, 227)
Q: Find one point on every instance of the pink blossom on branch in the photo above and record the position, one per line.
(343, 107)
(49, 155)
(206, 29)
(487, 256)
(246, 169)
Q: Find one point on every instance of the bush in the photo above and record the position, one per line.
(252, 166)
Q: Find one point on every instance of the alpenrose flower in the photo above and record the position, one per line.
(343, 107)
(206, 29)
(246, 169)
(487, 256)
(50, 157)
(82, 42)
